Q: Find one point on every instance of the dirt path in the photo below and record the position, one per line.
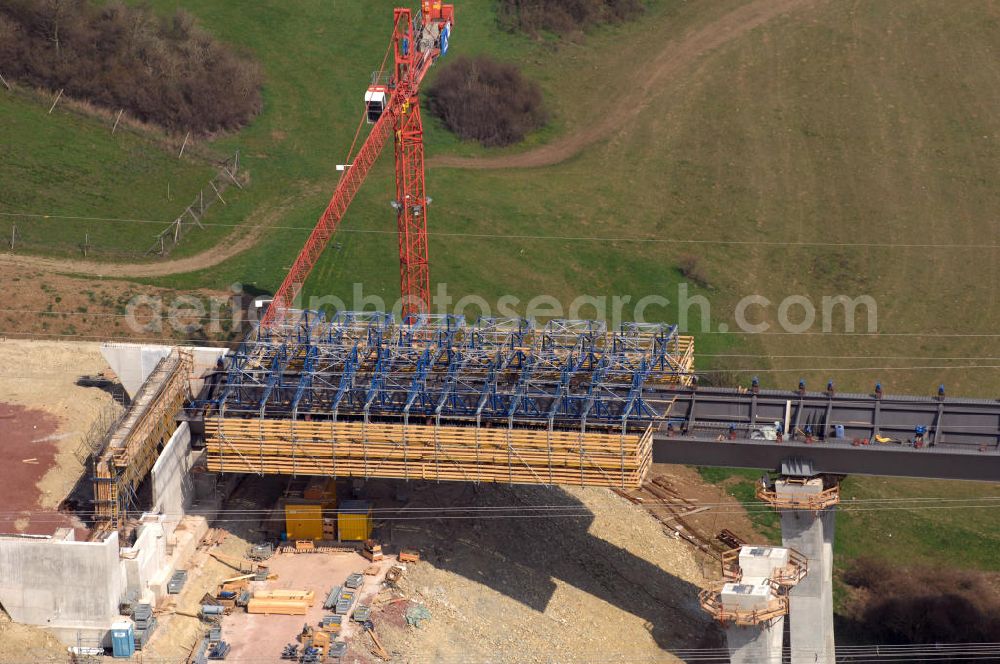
(677, 56)
(674, 58)
(242, 238)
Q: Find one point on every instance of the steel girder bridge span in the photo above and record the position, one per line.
(361, 394)
(804, 433)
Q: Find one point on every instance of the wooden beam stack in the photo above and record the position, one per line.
(281, 602)
(356, 449)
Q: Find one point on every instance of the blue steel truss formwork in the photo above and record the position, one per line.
(564, 375)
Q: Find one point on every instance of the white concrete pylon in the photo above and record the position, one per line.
(811, 532)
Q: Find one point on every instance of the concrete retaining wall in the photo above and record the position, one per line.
(173, 489)
(62, 584)
(134, 362)
(145, 560)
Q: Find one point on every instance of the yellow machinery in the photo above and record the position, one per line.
(304, 521)
(308, 518)
(354, 520)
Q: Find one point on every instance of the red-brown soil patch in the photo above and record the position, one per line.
(27, 451)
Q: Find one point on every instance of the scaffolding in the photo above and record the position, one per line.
(813, 494)
(131, 447)
(501, 400)
(765, 610)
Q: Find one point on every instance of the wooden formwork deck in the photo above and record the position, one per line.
(357, 449)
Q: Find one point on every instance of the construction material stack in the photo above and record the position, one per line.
(177, 581)
(281, 602)
(372, 551)
(145, 624)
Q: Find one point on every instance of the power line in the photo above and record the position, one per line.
(629, 655)
(562, 512)
(560, 238)
(241, 321)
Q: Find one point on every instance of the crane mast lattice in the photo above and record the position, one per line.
(393, 108)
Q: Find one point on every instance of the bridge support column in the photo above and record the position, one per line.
(807, 507)
(756, 644)
(753, 602)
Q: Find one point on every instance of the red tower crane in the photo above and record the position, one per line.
(393, 109)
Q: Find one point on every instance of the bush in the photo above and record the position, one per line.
(921, 605)
(487, 101)
(161, 70)
(563, 16)
(690, 266)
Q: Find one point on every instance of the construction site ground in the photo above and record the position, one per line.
(598, 582)
(44, 414)
(566, 573)
(571, 574)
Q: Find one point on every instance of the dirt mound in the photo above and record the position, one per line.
(546, 584)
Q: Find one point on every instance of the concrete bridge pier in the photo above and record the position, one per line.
(752, 603)
(756, 644)
(807, 506)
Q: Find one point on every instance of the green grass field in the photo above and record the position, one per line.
(70, 164)
(867, 127)
(922, 536)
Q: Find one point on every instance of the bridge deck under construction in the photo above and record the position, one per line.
(501, 400)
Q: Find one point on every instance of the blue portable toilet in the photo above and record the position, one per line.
(122, 639)
(838, 430)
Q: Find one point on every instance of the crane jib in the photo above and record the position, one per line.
(400, 117)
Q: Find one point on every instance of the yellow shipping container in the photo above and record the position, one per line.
(354, 520)
(304, 521)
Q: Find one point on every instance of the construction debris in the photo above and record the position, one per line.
(408, 556)
(372, 550)
(416, 614)
(393, 574)
(239, 564)
(377, 648)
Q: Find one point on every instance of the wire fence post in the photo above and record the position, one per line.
(53, 107)
(212, 192)
(181, 153)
